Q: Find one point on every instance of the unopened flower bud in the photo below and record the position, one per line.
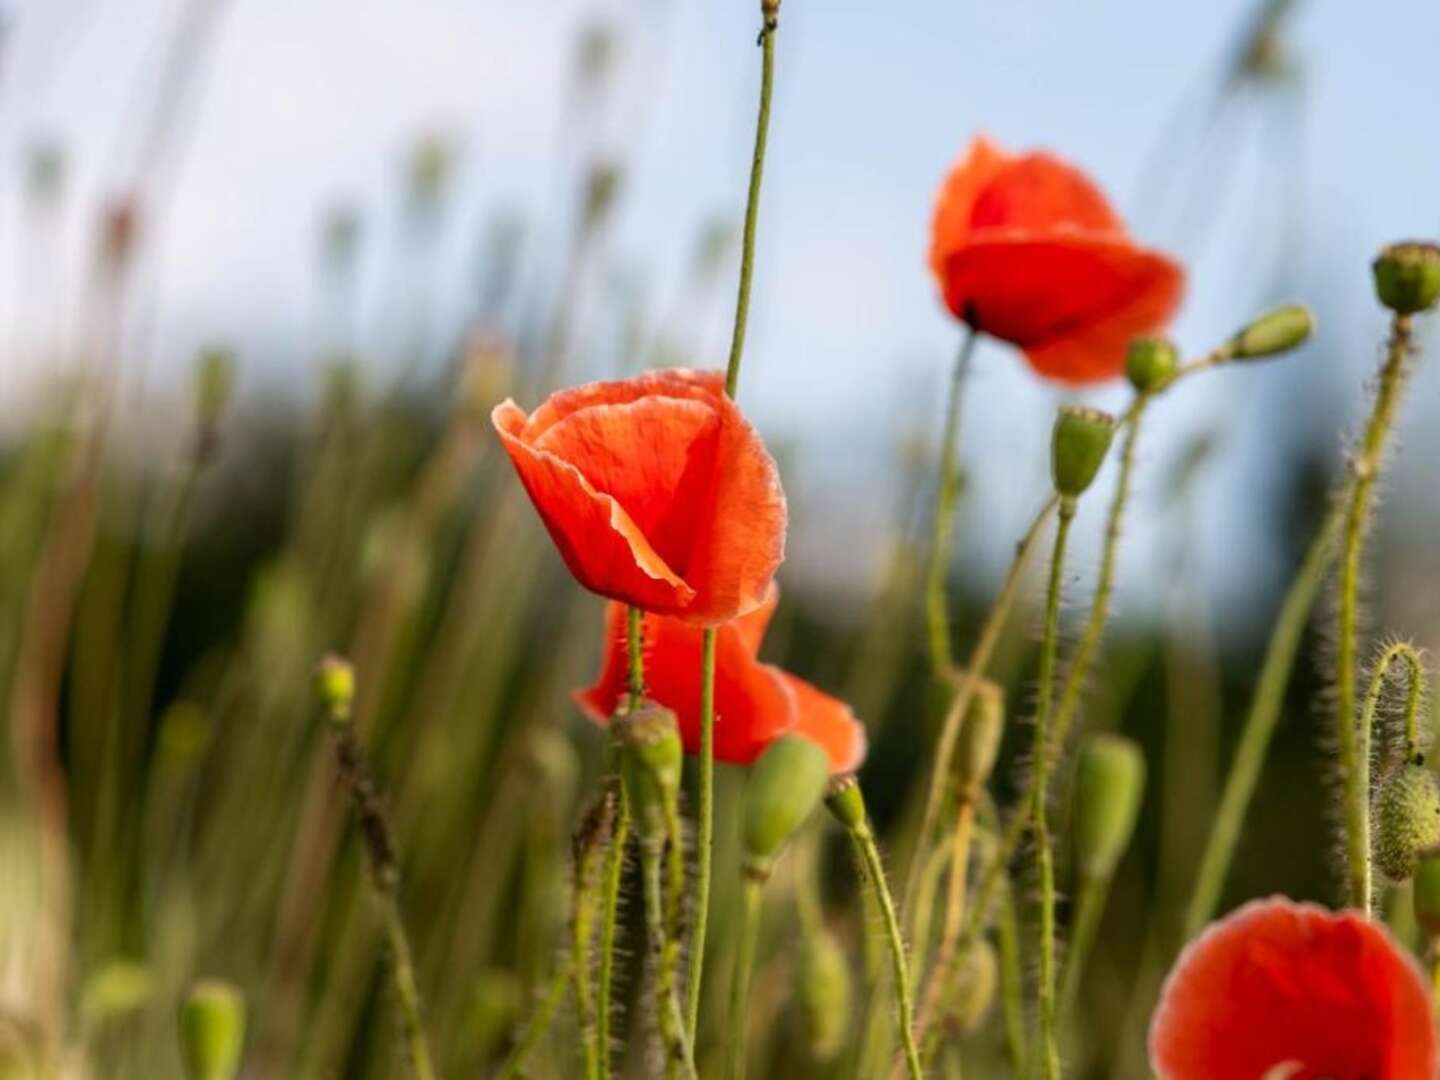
(1080, 443)
(1150, 363)
(825, 994)
(650, 768)
(335, 687)
(1407, 277)
(1407, 819)
(843, 799)
(116, 989)
(972, 985)
(212, 1030)
(1426, 893)
(979, 740)
(1275, 332)
(786, 784)
(1109, 781)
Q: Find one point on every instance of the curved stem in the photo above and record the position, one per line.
(947, 488)
(678, 1061)
(1044, 1044)
(864, 840)
(740, 979)
(544, 1016)
(1354, 746)
(1407, 654)
(1088, 909)
(939, 977)
(705, 838)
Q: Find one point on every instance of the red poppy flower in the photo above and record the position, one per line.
(656, 490)
(1287, 991)
(755, 703)
(1028, 250)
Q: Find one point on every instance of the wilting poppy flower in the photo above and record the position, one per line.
(755, 703)
(656, 490)
(1026, 249)
(1287, 991)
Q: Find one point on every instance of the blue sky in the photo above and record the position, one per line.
(307, 102)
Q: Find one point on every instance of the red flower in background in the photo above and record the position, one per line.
(1028, 250)
(755, 703)
(1287, 991)
(656, 490)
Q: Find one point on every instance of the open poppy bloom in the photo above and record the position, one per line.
(1027, 249)
(1287, 991)
(656, 490)
(755, 703)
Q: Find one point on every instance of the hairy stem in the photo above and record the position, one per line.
(678, 1061)
(614, 872)
(1400, 652)
(705, 833)
(1084, 924)
(947, 488)
(740, 978)
(635, 649)
(544, 1015)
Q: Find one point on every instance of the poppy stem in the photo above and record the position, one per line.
(1403, 652)
(663, 954)
(614, 871)
(1044, 1044)
(1354, 745)
(540, 1021)
(1083, 926)
(1012, 1006)
(635, 644)
(589, 842)
(740, 979)
(947, 489)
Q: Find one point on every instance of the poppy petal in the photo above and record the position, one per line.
(950, 228)
(751, 627)
(828, 722)
(1294, 987)
(1039, 193)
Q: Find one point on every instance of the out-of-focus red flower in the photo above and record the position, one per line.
(656, 490)
(755, 703)
(1026, 249)
(1287, 991)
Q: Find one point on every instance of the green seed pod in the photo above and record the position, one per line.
(1080, 443)
(212, 1030)
(1407, 277)
(115, 989)
(843, 799)
(972, 985)
(335, 687)
(1109, 780)
(1407, 819)
(786, 784)
(1426, 893)
(979, 741)
(650, 768)
(1150, 363)
(1275, 332)
(826, 992)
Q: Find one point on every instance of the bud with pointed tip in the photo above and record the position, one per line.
(1426, 893)
(650, 768)
(1275, 332)
(1079, 445)
(1407, 277)
(1407, 819)
(1150, 363)
(979, 741)
(843, 799)
(212, 1030)
(786, 783)
(1109, 781)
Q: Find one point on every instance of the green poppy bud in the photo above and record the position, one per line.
(1426, 893)
(979, 740)
(843, 799)
(825, 995)
(972, 985)
(1080, 443)
(1407, 277)
(1150, 363)
(115, 989)
(335, 686)
(212, 1030)
(1407, 819)
(1109, 780)
(1275, 332)
(650, 768)
(786, 784)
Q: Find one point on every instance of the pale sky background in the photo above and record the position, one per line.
(306, 103)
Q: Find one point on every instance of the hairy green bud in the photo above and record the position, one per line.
(1078, 448)
(844, 800)
(650, 768)
(1407, 819)
(1109, 781)
(979, 741)
(1150, 363)
(786, 784)
(1407, 277)
(1275, 332)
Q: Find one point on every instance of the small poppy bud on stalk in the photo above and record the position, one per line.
(650, 769)
(843, 799)
(1275, 332)
(1407, 277)
(116, 989)
(786, 784)
(826, 991)
(1407, 819)
(1150, 363)
(1426, 893)
(1109, 780)
(335, 685)
(979, 741)
(212, 1030)
(1080, 443)
(771, 10)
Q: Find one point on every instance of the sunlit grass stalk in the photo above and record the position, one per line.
(1353, 744)
(947, 489)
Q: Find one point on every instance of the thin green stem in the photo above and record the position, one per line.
(947, 488)
(705, 833)
(740, 978)
(1265, 706)
(869, 853)
(1353, 744)
(406, 992)
(635, 649)
(1400, 652)
(588, 845)
(1012, 1007)
(540, 1021)
(1083, 926)
(614, 872)
(678, 1060)
(1047, 1053)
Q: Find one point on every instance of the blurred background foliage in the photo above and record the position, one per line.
(175, 557)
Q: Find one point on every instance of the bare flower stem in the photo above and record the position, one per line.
(1354, 745)
(635, 642)
(740, 979)
(947, 489)
(1400, 652)
(663, 954)
(540, 1021)
(1089, 906)
(589, 842)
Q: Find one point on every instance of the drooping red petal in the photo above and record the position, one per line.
(950, 228)
(1038, 192)
(1293, 988)
(751, 627)
(829, 723)
(1072, 302)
